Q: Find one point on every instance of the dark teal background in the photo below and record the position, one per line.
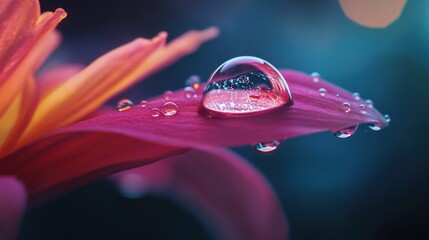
(374, 185)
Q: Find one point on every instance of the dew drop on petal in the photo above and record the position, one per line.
(356, 95)
(322, 92)
(194, 82)
(188, 92)
(374, 126)
(143, 103)
(266, 147)
(346, 132)
(387, 118)
(346, 107)
(169, 109)
(155, 112)
(124, 104)
(167, 94)
(369, 102)
(362, 106)
(244, 86)
(315, 77)
(338, 95)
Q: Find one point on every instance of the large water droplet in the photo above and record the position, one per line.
(124, 104)
(322, 92)
(244, 86)
(346, 132)
(169, 109)
(346, 107)
(266, 147)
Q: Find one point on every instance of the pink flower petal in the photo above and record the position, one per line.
(12, 206)
(117, 141)
(229, 194)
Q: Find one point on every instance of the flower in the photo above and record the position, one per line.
(52, 142)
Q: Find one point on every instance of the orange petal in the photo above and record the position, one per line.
(373, 13)
(27, 54)
(107, 76)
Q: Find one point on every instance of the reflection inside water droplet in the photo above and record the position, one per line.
(124, 104)
(266, 147)
(244, 86)
(169, 109)
(346, 132)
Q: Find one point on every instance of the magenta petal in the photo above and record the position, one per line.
(225, 191)
(12, 206)
(310, 113)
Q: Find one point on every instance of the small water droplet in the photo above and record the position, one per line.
(124, 104)
(322, 92)
(169, 109)
(193, 82)
(167, 94)
(346, 132)
(338, 95)
(374, 126)
(387, 118)
(356, 95)
(346, 107)
(155, 112)
(266, 147)
(369, 102)
(232, 89)
(143, 103)
(362, 106)
(188, 92)
(315, 76)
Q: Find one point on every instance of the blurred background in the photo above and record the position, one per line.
(374, 185)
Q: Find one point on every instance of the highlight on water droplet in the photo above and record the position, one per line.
(346, 132)
(315, 77)
(169, 109)
(374, 126)
(356, 95)
(244, 86)
(194, 82)
(322, 92)
(387, 118)
(124, 104)
(266, 147)
(155, 112)
(167, 94)
(338, 95)
(143, 103)
(346, 107)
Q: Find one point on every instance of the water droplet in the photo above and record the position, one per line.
(143, 103)
(169, 109)
(374, 126)
(322, 92)
(155, 112)
(316, 77)
(346, 107)
(356, 95)
(346, 132)
(387, 118)
(369, 102)
(338, 95)
(239, 81)
(362, 106)
(188, 92)
(193, 82)
(167, 94)
(124, 104)
(266, 147)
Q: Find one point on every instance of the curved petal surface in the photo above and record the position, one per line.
(221, 187)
